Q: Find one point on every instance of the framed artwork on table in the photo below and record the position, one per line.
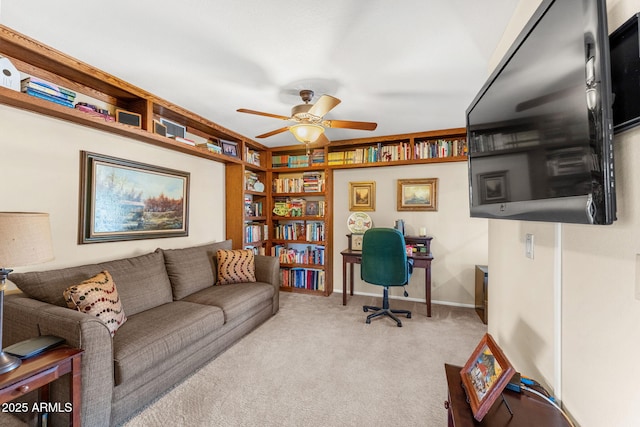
(126, 200)
(355, 241)
(418, 194)
(485, 375)
(362, 196)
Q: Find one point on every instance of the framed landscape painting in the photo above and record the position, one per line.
(418, 194)
(362, 196)
(126, 200)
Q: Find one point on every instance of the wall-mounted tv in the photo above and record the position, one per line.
(540, 130)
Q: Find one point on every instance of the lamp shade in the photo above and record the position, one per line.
(25, 239)
(306, 133)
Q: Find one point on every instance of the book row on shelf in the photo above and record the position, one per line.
(371, 154)
(256, 232)
(302, 278)
(312, 231)
(298, 161)
(440, 148)
(309, 183)
(251, 207)
(257, 250)
(308, 255)
(252, 156)
(250, 180)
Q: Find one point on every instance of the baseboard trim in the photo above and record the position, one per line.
(449, 303)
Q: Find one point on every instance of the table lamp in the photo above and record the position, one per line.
(25, 239)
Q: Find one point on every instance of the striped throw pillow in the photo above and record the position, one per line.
(236, 266)
(98, 296)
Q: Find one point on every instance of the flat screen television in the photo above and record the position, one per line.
(540, 130)
(624, 47)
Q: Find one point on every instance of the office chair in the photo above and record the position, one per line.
(385, 263)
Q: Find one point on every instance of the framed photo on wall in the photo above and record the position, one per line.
(362, 196)
(418, 194)
(485, 375)
(126, 200)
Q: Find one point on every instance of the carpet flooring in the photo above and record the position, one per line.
(316, 363)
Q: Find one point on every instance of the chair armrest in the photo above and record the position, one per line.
(268, 271)
(27, 318)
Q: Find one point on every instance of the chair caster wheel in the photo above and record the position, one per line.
(409, 316)
(399, 324)
(365, 309)
(368, 321)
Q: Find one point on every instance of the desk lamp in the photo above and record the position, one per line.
(25, 239)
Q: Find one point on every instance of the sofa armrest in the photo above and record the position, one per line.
(268, 271)
(25, 318)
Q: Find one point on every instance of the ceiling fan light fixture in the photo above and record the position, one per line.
(306, 133)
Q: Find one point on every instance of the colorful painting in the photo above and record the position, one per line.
(485, 375)
(125, 200)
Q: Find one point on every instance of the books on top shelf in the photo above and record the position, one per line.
(252, 156)
(210, 147)
(48, 91)
(184, 140)
(440, 148)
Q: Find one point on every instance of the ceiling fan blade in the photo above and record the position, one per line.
(273, 132)
(260, 113)
(322, 140)
(347, 124)
(324, 104)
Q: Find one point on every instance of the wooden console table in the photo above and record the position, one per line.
(420, 260)
(38, 372)
(528, 409)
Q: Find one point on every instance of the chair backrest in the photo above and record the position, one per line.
(384, 257)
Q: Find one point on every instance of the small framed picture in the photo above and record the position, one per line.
(312, 208)
(485, 375)
(494, 187)
(362, 196)
(355, 241)
(230, 148)
(418, 194)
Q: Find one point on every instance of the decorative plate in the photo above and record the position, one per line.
(359, 222)
(258, 186)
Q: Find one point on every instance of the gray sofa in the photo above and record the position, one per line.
(177, 321)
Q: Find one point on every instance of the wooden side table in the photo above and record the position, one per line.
(528, 409)
(37, 373)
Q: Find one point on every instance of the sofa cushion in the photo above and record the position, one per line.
(236, 266)
(49, 286)
(192, 269)
(98, 296)
(236, 300)
(142, 281)
(150, 337)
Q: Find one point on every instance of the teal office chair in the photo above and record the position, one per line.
(385, 263)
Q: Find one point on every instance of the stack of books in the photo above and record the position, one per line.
(48, 91)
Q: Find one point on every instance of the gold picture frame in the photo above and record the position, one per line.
(362, 196)
(418, 194)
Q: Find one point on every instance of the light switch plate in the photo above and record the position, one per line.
(528, 246)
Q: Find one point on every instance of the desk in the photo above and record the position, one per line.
(528, 409)
(38, 372)
(350, 257)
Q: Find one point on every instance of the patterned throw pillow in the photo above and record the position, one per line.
(236, 266)
(98, 297)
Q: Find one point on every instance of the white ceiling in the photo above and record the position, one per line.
(410, 66)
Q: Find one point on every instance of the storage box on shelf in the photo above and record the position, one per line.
(300, 220)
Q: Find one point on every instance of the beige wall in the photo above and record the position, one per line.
(40, 172)
(570, 316)
(459, 242)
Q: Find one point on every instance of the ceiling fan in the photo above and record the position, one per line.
(309, 119)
